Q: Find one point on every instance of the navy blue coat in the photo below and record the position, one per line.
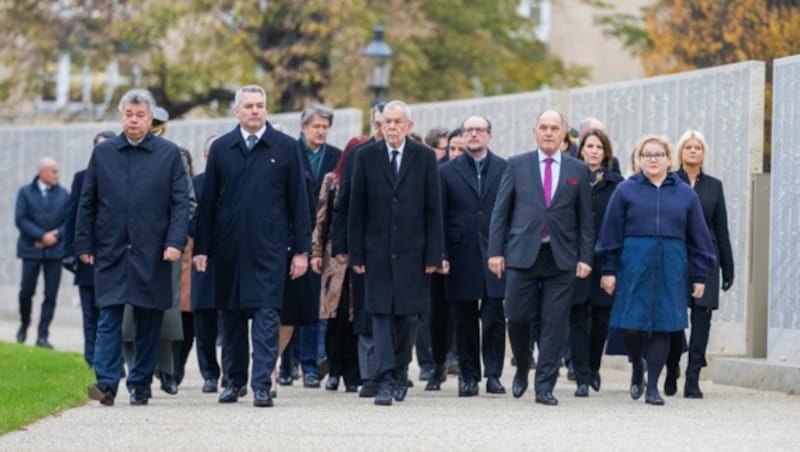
(84, 273)
(395, 226)
(37, 214)
(254, 207)
(202, 282)
(134, 204)
(466, 226)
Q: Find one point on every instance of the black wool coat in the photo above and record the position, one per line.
(395, 226)
(134, 203)
(84, 273)
(254, 207)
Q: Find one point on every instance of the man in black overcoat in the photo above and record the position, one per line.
(254, 199)
(132, 220)
(469, 188)
(395, 241)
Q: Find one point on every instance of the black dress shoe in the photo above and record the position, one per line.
(425, 373)
(369, 389)
(519, 386)
(43, 343)
(231, 394)
(262, 398)
(582, 391)
(493, 386)
(384, 396)
(105, 397)
(148, 392)
(332, 384)
(22, 333)
(138, 397)
(691, 390)
(468, 388)
(210, 386)
(399, 391)
(636, 391)
(242, 391)
(433, 385)
(595, 381)
(311, 381)
(546, 398)
(452, 368)
(351, 388)
(285, 380)
(653, 399)
(169, 384)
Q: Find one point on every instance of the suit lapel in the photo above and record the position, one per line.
(562, 179)
(409, 154)
(492, 173)
(536, 177)
(383, 161)
(462, 166)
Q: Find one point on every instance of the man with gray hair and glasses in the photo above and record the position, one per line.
(132, 220)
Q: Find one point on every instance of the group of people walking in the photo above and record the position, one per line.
(553, 244)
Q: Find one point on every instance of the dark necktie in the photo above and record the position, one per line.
(395, 166)
(548, 189)
(479, 168)
(251, 141)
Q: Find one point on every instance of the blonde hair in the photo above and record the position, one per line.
(692, 135)
(658, 139)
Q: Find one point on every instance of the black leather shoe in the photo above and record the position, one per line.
(653, 399)
(433, 385)
(148, 392)
(311, 381)
(224, 382)
(546, 398)
(138, 397)
(493, 386)
(351, 388)
(43, 343)
(399, 391)
(22, 333)
(691, 390)
(519, 386)
(384, 396)
(210, 386)
(262, 398)
(595, 382)
(243, 391)
(105, 397)
(452, 367)
(169, 384)
(468, 388)
(231, 394)
(368, 389)
(582, 391)
(285, 380)
(332, 384)
(425, 373)
(637, 391)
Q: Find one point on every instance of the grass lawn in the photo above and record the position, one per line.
(36, 382)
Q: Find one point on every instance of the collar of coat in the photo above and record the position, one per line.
(120, 142)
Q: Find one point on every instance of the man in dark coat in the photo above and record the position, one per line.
(254, 199)
(362, 323)
(541, 231)
(469, 188)
(132, 220)
(40, 213)
(395, 240)
(84, 273)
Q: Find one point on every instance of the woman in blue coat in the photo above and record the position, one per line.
(653, 232)
(591, 306)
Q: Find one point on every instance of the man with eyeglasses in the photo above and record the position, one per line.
(395, 241)
(541, 236)
(469, 188)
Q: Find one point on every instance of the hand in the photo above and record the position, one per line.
(200, 262)
(299, 266)
(698, 290)
(360, 269)
(341, 258)
(171, 254)
(39, 245)
(87, 259)
(50, 238)
(316, 265)
(727, 284)
(608, 283)
(430, 269)
(445, 269)
(497, 265)
(70, 263)
(583, 270)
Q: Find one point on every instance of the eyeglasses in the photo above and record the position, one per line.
(389, 122)
(653, 157)
(456, 149)
(469, 130)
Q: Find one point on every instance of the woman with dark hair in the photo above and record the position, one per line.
(692, 149)
(591, 307)
(336, 304)
(653, 232)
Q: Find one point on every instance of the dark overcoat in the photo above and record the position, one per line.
(395, 226)
(588, 290)
(253, 201)
(202, 292)
(84, 273)
(134, 203)
(467, 212)
(36, 214)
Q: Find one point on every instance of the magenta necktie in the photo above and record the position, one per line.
(548, 189)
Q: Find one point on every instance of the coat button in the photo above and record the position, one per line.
(394, 228)
(394, 199)
(480, 212)
(130, 246)
(394, 256)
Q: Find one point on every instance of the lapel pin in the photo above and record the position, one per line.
(272, 160)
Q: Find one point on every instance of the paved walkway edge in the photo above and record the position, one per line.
(758, 374)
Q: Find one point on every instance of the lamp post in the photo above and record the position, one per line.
(379, 65)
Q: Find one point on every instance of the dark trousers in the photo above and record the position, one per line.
(90, 315)
(588, 330)
(440, 321)
(205, 328)
(52, 277)
(341, 343)
(291, 355)
(698, 342)
(309, 347)
(393, 338)
(182, 348)
(422, 344)
(236, 350)
(108, 358)
(541, 294)
(475, 319)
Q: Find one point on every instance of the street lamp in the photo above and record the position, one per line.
(379, 65)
